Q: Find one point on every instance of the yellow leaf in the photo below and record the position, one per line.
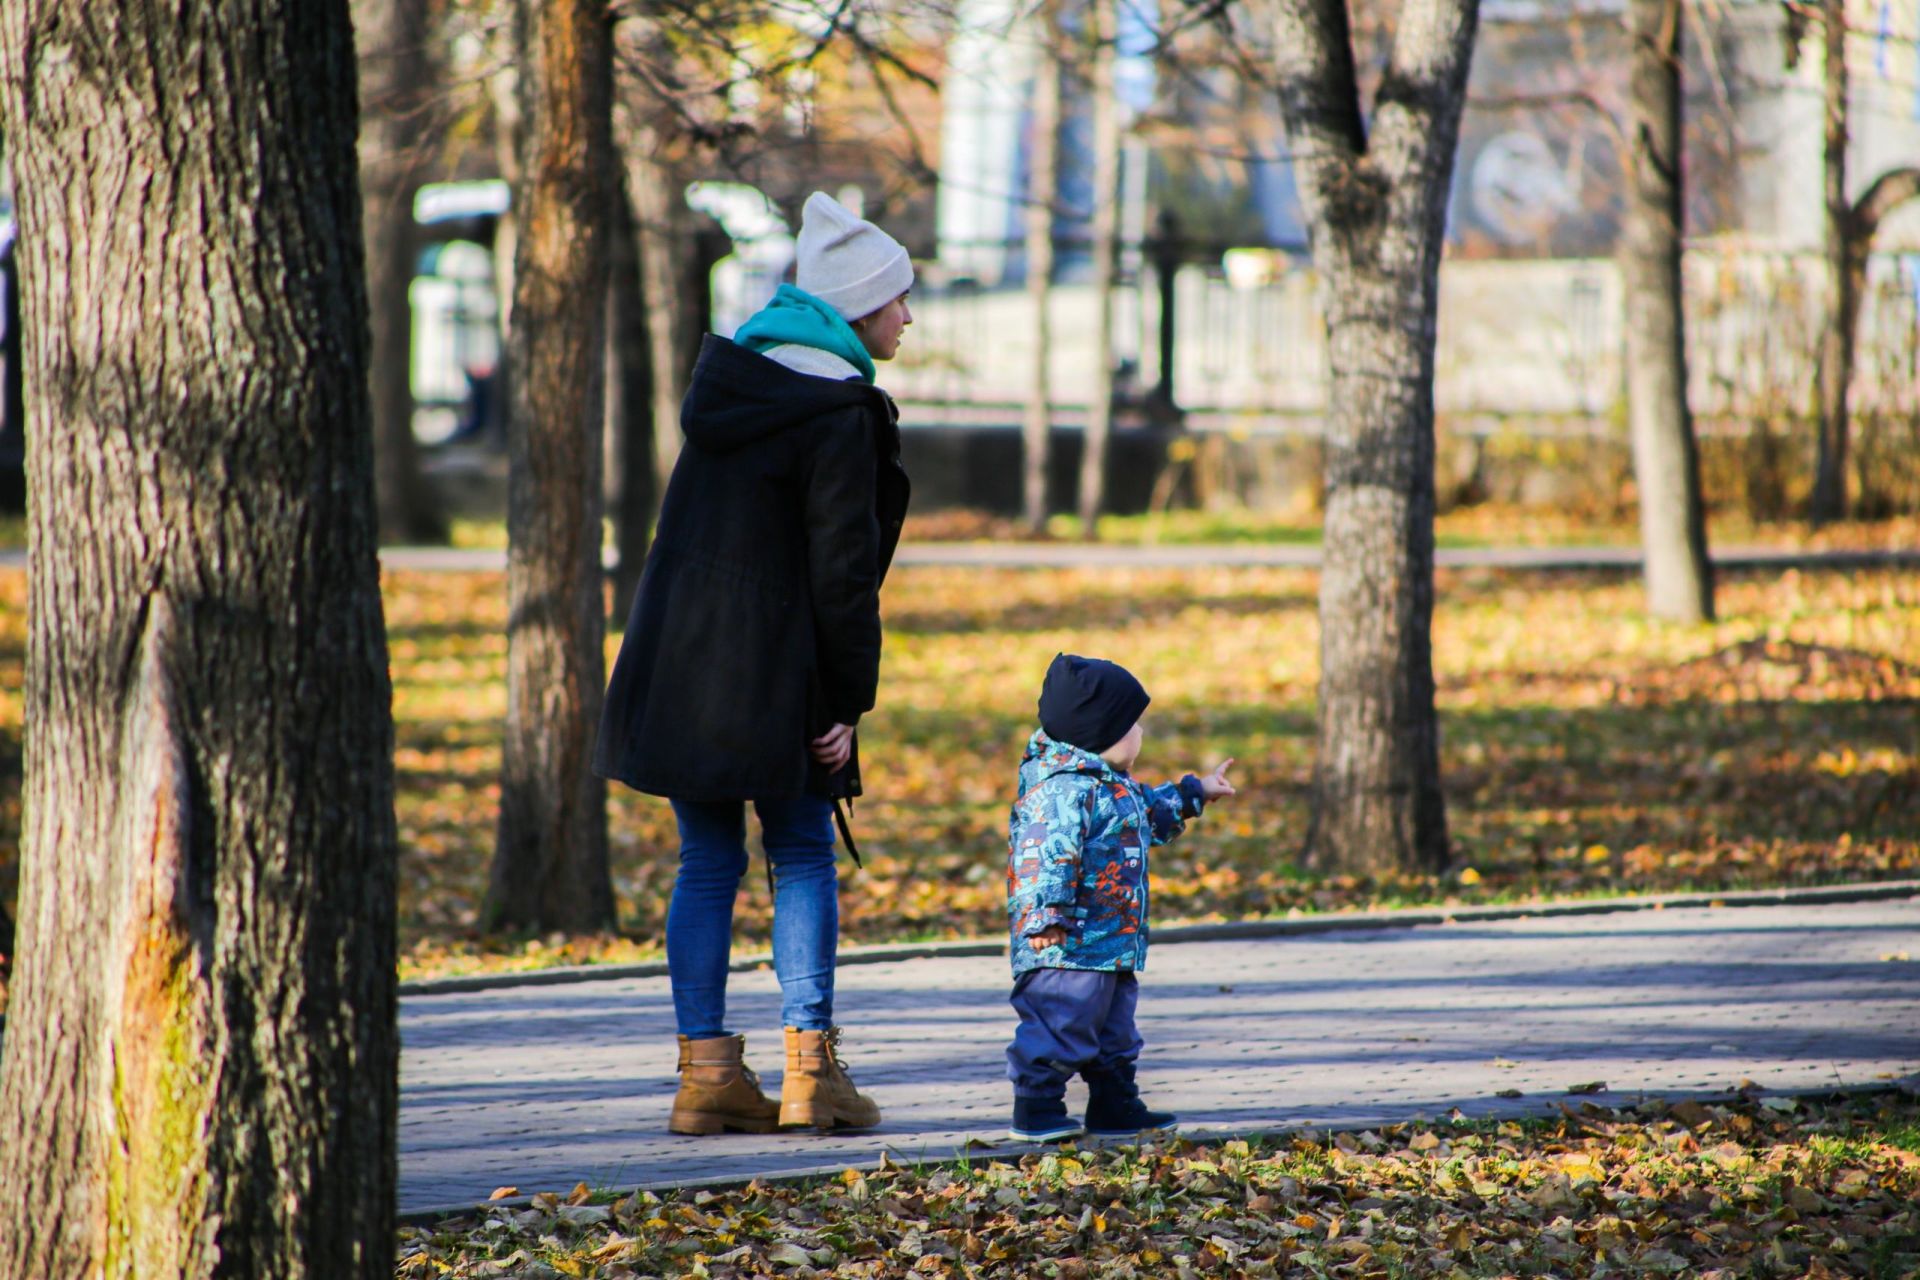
(1597, 853)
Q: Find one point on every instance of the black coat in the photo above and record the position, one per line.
(757, 623)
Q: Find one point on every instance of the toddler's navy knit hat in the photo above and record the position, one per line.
(1089, 703)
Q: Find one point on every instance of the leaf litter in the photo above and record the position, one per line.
(1768, 1188)
(1586, 751)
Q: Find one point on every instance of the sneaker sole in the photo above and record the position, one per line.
(1046, 1135)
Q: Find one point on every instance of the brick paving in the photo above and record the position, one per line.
(543, 1087)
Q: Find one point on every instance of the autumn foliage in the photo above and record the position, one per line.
(1585, 750)
(1768, 1187)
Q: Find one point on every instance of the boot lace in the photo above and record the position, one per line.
(831, 1042)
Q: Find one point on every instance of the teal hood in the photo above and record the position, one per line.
(796, 316)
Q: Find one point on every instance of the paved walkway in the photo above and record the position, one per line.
(542, 1087)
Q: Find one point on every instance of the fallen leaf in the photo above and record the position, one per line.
(785, 1253)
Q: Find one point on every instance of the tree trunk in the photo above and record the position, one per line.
(550, 866)
(503, 93)
(671, 271)
(1106, 193)
(396, 85)
(1042, 190)
(674, 283)
(200, 1068)
(1887, 192)
(1835, 371)
(1666, 460)
(632, 492)
(1376, 211)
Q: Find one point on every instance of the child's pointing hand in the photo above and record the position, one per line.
(1215, 785)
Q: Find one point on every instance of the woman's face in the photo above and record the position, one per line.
(880, 332)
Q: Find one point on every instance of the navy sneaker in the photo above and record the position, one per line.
(1114, 1109)
(1043, 1120)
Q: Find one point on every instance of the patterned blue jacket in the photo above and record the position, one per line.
(1077, 856)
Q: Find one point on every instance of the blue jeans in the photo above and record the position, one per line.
(1070, 1020)
(798, 835)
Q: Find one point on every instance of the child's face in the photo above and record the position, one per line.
(1123, 753)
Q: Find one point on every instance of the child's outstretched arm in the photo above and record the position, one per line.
(1171, 805)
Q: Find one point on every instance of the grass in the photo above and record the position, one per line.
(1763, 1188)
(1585, 750)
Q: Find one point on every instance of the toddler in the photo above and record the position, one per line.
(1077, 900)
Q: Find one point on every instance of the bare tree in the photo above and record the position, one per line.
(1849, 231)
(1666, 461)
(200, 1065)
(550, 865)
(1374, 190)
(1043, 185)
(1105, 237)
(396, 113)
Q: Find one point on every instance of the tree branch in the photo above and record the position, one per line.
(1319, 90)
(1889, 191)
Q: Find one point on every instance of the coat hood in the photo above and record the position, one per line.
(1046, 758)
(737, 397)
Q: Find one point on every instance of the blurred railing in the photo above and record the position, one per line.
(1528, 345)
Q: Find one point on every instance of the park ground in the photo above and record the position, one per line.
(1743, 1186)
(1586, 751)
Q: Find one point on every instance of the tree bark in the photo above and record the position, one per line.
(1043, 182)
(1375, 203)
(1666, 460)
(200, 1068)
(1835, 369)
(1106, 194)
(631, 493)
(550, 865)
(396, 86)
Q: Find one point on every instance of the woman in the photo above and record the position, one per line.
(753, 649)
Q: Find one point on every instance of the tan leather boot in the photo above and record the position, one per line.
(718, 1091)
(817, 1092)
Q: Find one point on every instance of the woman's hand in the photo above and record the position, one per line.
(1214, 785)
(1051, 936)
(834, 747)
